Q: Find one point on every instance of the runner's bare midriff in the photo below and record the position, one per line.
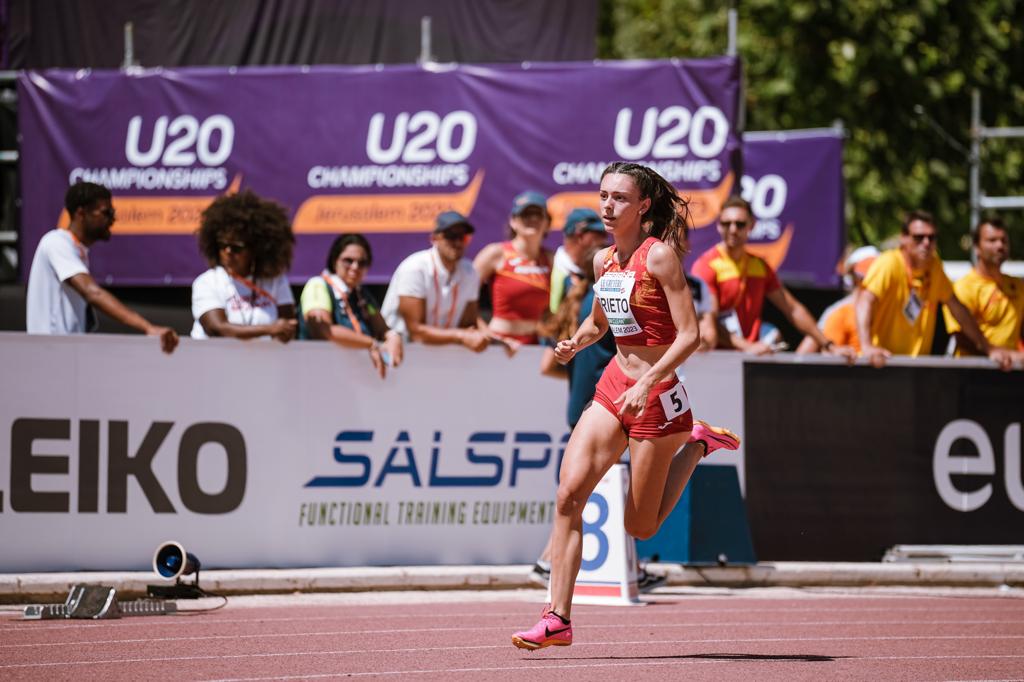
(636, 360)
(500, 325)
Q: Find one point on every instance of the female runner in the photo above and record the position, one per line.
(639, 402)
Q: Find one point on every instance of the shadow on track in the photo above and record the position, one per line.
(803, 658)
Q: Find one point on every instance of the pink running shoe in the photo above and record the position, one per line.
(551, 630)
(713, 437)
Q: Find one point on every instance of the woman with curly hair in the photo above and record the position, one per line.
(248, 242)
(337, 307)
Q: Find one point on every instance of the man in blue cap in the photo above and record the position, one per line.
(583, 232)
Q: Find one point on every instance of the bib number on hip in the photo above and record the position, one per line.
(674, 402)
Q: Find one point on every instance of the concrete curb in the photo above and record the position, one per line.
(812, 574)
(20, 588)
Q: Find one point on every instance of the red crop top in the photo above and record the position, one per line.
(521, 288)
(633, 301)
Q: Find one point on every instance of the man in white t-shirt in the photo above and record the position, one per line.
(61, 292)
(432, 297)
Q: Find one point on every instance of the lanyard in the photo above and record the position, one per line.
(997, 293)
(437, 297)
(910, 276)
(254, 289)
(343, 295)
(82, 251)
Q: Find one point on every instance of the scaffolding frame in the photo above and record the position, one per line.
(979, 133)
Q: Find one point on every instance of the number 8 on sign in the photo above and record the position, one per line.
(594, 529)
(608, 565)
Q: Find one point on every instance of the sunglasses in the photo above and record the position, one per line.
(740, 224)
(358, 262)
(457, 236)
(233, 247)
(921, 237)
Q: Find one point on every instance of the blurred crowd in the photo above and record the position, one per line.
(894, 298)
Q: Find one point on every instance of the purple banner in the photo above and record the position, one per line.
(794, 182)
(378, 150)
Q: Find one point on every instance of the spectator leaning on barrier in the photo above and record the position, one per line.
(582, 232)
(433, 294)
(335, 305)
(519, 272)
(248, 243)
(897, 310)
(839, 321)
(742, 281)
(61, 293)
(995, 300)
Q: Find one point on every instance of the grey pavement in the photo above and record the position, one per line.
(21, 588)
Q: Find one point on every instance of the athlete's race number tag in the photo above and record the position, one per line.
(613, 291)
(674, 402)
(912, 310)
(731, 322)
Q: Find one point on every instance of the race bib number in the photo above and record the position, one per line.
(674, 402)
(912, 310)
(731, 322)
(613, 291)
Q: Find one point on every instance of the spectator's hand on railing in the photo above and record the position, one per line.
(1002, 357)
(875, 355)
(283, 329)
(168, 338)
(475, 340)
(393, 345)
(849, 354)
(377, 360)
(511, 346)
(758, 348)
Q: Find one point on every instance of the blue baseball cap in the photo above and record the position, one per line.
(528, 198)
(451, 219)
(583, 220)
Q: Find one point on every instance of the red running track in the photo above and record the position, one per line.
(733, 637)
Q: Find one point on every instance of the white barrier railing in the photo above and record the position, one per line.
(262, 455)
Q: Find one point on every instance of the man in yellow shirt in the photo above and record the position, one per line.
(995, 300)
(897, 310)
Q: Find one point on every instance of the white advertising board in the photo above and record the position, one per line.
(254, 454)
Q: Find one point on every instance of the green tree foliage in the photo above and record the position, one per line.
(873, 65)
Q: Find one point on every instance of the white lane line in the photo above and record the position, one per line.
(623, 664)
(590, 625)
(348, 652)
(149, 623)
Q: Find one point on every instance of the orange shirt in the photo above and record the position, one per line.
(839, 323)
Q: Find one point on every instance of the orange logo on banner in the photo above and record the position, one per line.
(382, 212)
(704, 203)
(158, 215)
(774, 252)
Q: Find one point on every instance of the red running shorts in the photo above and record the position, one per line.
(667, 410)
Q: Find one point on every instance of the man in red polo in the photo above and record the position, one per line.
(742, 281)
